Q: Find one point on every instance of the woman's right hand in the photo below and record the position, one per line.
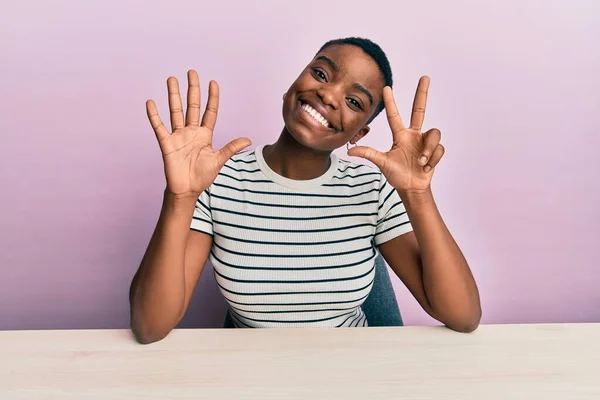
(191, 164)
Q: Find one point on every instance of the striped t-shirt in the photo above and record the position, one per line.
(289, 253)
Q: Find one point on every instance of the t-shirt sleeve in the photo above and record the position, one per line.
(392, 220)
(202, 218)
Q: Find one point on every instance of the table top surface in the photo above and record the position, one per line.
(549, 361)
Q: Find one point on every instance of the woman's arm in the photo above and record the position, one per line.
(432, 266)
(428, 260)
(162, 287)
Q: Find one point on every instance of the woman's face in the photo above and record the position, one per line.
(333, 98)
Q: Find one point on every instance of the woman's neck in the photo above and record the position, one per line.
(292, 160)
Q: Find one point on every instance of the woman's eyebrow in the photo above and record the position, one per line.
(330, 62)
(360, 87)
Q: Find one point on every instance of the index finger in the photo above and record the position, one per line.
(418, 111)
(159, 128)
(391, 110)
(209, 119)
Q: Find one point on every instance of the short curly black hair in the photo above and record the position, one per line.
(374, 51)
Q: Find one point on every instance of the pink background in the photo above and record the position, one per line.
(515, 91)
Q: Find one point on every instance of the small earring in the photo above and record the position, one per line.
(284, 96)
(348, 145)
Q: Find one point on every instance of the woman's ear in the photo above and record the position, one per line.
(361, 134)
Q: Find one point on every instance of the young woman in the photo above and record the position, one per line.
(292, 230)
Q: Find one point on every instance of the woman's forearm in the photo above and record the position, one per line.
(447, 278)
(158, 289)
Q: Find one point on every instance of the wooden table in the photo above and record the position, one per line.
(495, 362)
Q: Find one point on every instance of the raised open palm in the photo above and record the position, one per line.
(191, 164)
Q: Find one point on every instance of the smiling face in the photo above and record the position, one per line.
(333, 98)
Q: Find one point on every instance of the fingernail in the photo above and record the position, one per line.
(423, 160)
(427, 168)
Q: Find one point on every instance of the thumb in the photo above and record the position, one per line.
(376, 157)
(231, 148)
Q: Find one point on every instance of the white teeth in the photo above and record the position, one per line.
(316, 116)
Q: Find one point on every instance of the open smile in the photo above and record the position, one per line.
(314, 116)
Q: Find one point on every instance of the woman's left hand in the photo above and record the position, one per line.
(409, 164)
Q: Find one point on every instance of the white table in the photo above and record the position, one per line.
(495, 362)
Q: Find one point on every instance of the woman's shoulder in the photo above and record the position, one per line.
(356, 169)
(243, 157)
(241, 163)
(241, 167)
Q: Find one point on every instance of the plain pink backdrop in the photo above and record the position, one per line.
(515, 91)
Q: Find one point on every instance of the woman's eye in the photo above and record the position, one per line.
(320, 74)
(355, 103)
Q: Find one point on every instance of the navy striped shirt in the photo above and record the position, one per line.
(289, 253)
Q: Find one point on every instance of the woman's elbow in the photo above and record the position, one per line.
(146, 336)
(145, 333)
(465, 323)
(467, 327)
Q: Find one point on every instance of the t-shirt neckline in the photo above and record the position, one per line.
(294, 183)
